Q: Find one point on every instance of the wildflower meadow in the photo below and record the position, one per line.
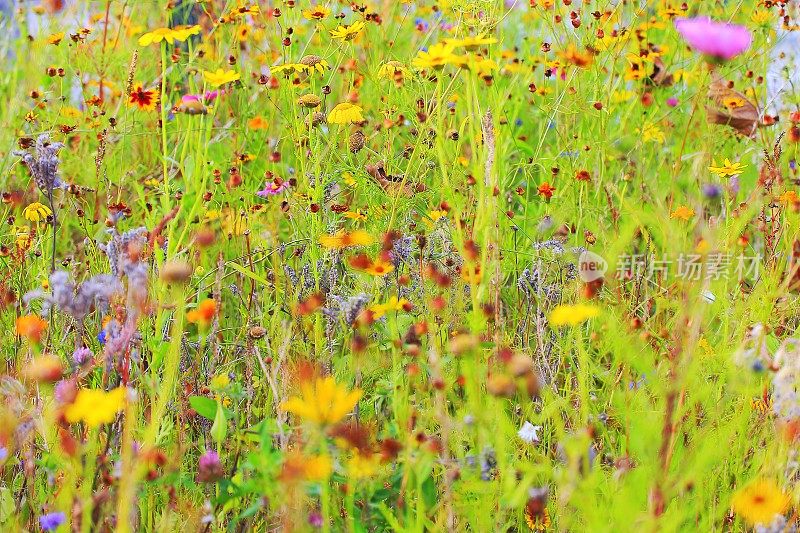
(399, 266)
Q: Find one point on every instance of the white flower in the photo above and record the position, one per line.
(529, 433)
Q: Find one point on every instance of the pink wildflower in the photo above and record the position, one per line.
(717, 39)
(272, 188)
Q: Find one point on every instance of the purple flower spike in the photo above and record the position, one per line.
(51, 521)
(717, 39)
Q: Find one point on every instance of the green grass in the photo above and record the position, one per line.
(654, 414)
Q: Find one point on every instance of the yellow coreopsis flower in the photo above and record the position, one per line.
(343, 239)
(574, 56)
(212, 214)
(317, 467)
(436, 214)
(316, 13)
(760, 501)
(472, 42)
(572, 315)
(70, 112)
(391, 69)
(394, 304)
(322, 401)
(345, 113)
(55, 38)
(348, 33)
(23, 239)
(36, 212)
(762, 17)
(168, 35)
(636, 69)
(183, 33)
(287, 67)
(437, 56)
(357, 215)
(687, 76)
(243, 10)
(220, 381)
(380, 267)
(349, 180)
(733, 102)
(220, 77)
(618, 97)
(651, 132)
(362, 466)
(94, 407)
(482, 66)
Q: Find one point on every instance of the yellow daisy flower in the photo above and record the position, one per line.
(36, 212)
(345, 113)
(572, 315)
(220, 77)
(322, 401)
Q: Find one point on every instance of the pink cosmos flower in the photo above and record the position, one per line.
(273, 188)
(717, 39)
(209, 96)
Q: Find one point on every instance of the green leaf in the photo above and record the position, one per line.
(219, 430)
(205, 407)
(249, 273)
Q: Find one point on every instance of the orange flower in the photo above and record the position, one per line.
(257, 123)
(682, 212)
(380, 267)
(144, 99)
(204, 313)
(760, 501)
(44, 369)
(576, 57)
(546, 190)
(789, 198)
(343, 239)
(471, 274)
(31, 327)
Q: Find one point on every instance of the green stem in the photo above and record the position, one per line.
(165, 171)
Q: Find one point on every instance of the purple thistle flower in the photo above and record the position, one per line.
(717, 39)
(712, 191)
(209, 467)
(65, 391)
(51, 521)
(672, 102)
(82, 356)
(315, 519)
